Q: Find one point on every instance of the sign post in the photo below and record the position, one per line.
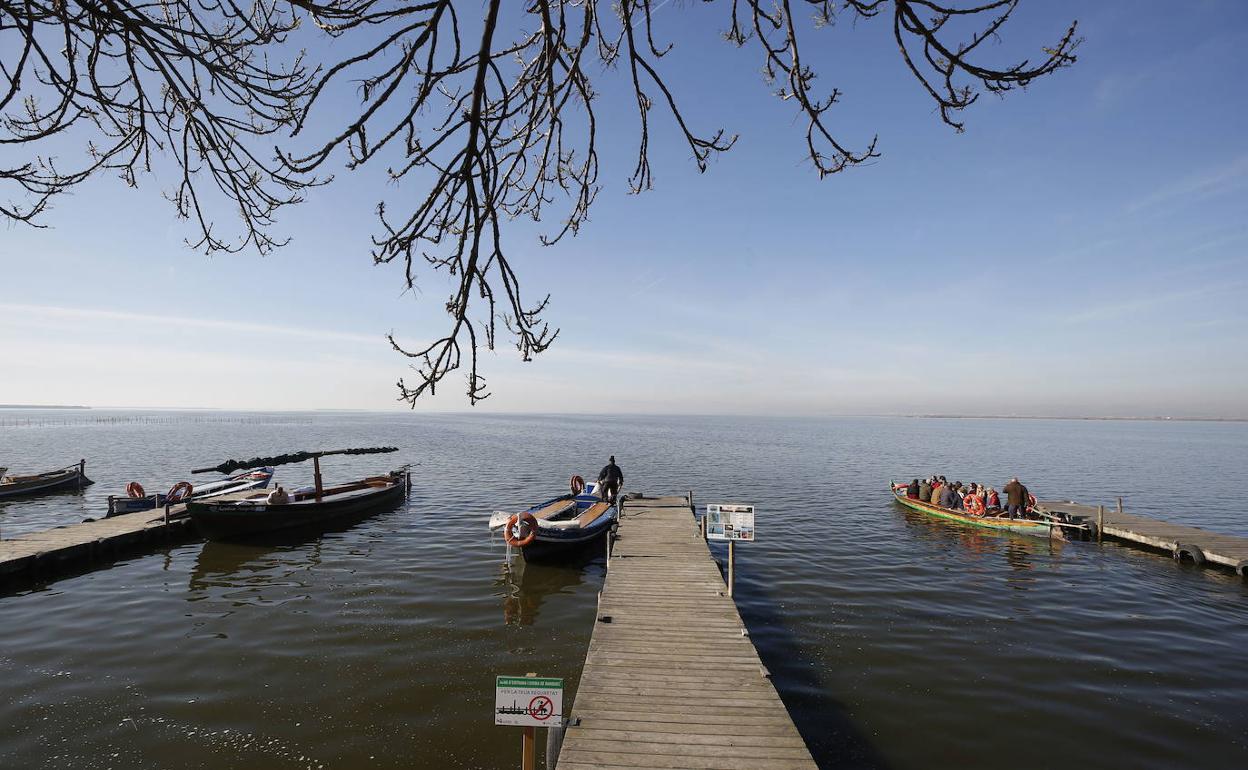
(734, 523)
(530, 702)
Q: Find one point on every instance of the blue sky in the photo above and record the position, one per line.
(1081, 249)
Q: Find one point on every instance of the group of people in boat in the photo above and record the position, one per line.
(974, 499)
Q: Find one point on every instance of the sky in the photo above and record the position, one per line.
(1080, 250)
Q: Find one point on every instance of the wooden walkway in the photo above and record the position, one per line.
(46, 553)
(1181, 541)
(671, 679)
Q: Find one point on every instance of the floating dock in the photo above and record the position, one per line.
(672, 679)
(1181, 541)
(61, 549)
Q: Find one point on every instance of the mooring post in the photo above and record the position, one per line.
(554, 742)
(82, 470)
(732, 553)
(316, 474)
(1100, 521)
(1120, 506)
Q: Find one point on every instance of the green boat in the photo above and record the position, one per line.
(999, 523)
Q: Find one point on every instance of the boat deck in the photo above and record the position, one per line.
(671, 679)
(1180, 540)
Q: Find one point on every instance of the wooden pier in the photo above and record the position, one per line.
(671, 679)
(1181, 541)
(52, 551)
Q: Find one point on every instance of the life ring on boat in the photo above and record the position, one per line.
(577, 484)
(521, 529)
(135, 490)
(973, 505)
(179, 492)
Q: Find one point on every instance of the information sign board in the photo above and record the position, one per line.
(730, 522)
(528, 701)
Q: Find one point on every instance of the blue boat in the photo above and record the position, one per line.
(137, 500)
(559, 525)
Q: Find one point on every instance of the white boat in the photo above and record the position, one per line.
(137, 500)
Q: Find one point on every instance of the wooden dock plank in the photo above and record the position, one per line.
(671, 680)
(1179, 539)
(42, 553)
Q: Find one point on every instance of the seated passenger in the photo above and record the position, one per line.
(925, 491)
(992, 501)
(947, 496)
(912, 490)
(278, 496)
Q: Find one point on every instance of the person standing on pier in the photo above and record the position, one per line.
(610, 479)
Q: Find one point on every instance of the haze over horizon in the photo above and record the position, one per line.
(1081, 250)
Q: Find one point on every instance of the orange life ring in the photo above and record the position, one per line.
(577, 484)
(521, 529)
(179, 492)
(973, 505)
(135, 490)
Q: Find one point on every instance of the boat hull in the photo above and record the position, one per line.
(1015, 526)
(552, 543)
(242, 483)
(239, 520)
(44, 483)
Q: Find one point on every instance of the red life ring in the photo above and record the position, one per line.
(973, 505)
(179, 492)
(521, 529)
(135, 490)
(577, 484)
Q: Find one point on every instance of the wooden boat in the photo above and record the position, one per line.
(70, 477)
(246, 514)
(136, 500)
(999, 523)
(561, 525)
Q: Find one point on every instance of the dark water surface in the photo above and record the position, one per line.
(895, 640)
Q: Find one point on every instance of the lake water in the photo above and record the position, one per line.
(895, 640)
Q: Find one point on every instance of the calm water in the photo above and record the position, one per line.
(894, 640)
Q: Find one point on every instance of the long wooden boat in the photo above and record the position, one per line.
(70, 477)
(240, 482)
(242, 515)
(999, 523)
(559, 526)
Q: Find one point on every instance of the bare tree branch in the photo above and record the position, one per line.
(490, 116)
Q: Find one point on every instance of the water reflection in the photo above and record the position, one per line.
(1018, 552)
(524, 586)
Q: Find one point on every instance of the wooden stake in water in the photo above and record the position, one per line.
(732, 553)
(1100, 521)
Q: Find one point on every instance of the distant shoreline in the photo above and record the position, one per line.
(1051, 417)
(41, 406)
